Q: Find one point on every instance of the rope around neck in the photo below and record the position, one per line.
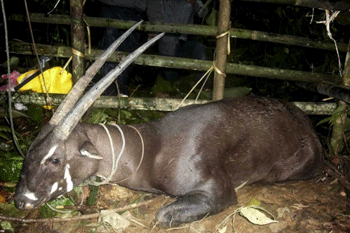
(115, 161)
(142, 153)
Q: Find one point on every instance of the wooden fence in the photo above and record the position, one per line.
(78, 22)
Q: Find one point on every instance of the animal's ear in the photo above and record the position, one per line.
(89, 150)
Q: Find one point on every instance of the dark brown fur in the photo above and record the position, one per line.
(199, 153)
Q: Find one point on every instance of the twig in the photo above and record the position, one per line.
(77, 218)
(341, 178)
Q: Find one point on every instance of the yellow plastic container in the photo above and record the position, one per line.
(57, 81)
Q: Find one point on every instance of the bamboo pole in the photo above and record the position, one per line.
(338, 138)
(286, 2)
(339, 5)
(190, 29)
(222, 43)
(180, 63)
(151, 104)
(78, 39)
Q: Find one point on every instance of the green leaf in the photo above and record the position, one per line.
(4, 128)
(47, 212)
(235, 92)
(10, 168)
(161, 86)
(4, 136)
(127, 114)
(15, 113)
(5, 225)
(334, 117)
(254, 202)
(98, 116)
(35, 113)
(212, 19)
(93, 195)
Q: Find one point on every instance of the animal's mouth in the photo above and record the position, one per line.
(26, 202)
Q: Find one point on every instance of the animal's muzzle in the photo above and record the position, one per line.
(22, 204)
(26, 199)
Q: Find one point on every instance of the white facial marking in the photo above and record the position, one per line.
(54, 188)
(86, 153)
(60, 188)
(68, 178)
(31, 196)
(51, 151)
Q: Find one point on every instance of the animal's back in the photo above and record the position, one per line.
(252, 139)
(279, 143)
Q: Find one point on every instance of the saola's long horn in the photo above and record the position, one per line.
(69, 122)
(78, 89)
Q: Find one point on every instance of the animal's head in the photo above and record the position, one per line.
(54, 166)
(62, 156)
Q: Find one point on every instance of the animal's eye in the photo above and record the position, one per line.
(55, 161)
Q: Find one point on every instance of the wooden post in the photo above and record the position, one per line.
(221, 49)
(337, 139)
(78, 38)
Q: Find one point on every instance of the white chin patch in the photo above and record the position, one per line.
(31, 196)
(29, 206)
(54, 188)
(68, 178)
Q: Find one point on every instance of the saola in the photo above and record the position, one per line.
(199, 153)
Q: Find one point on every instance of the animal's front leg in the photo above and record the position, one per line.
(192, 208)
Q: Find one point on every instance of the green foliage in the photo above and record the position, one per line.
(57, 203)
(10, 162)
(7, 226)
(254, 202)
(334, 117)
(162, 86)
(5, 146)
(97, 116)
(121, 116)
(15, 113)
(10, 210)
(93, 195)
(10, 168)
(5, 129)
(212, 19)
(35, 113)
(5, 133)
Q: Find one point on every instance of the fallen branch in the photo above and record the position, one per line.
(76, 218)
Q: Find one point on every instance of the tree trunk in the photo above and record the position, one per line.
(221, 49)
(78, 39)
(337, 140)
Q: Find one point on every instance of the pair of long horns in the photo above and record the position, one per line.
(71, 110)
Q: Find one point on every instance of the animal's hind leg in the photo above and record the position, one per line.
(303, 164)
(197, 205)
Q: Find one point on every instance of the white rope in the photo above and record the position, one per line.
(142, 147)
(115, 160)
(123, 146)
(142, 153)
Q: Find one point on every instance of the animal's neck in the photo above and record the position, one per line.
(122, 149)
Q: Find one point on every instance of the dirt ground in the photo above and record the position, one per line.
(318, 205)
